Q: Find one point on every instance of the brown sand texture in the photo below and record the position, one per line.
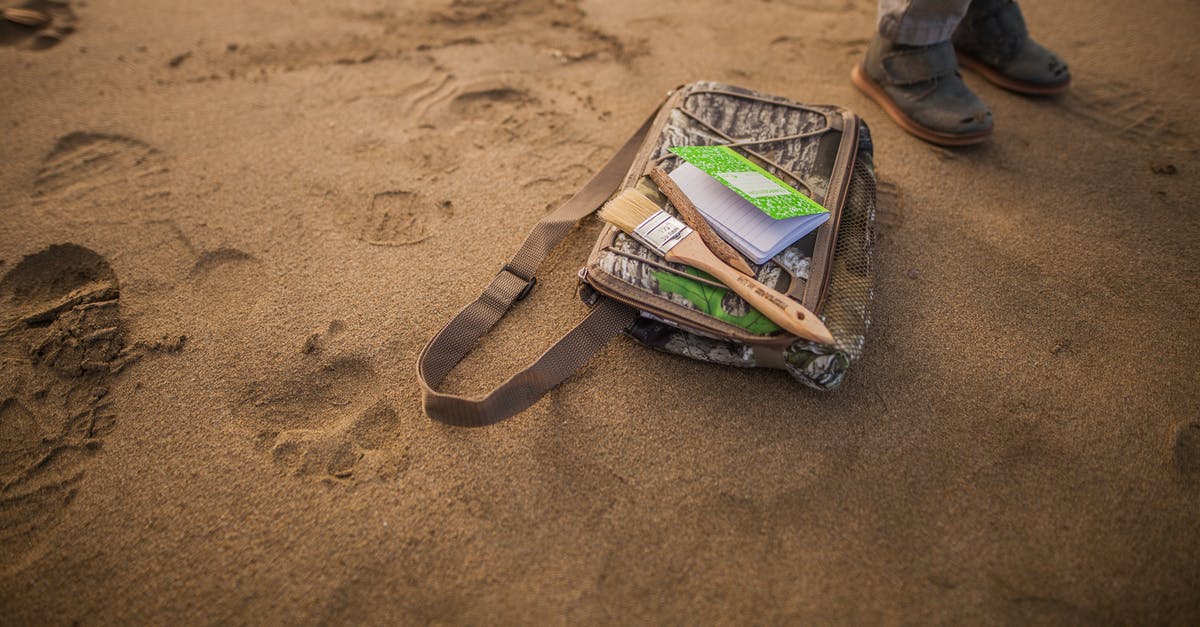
(227, 228)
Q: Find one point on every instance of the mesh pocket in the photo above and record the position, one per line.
(847, 307)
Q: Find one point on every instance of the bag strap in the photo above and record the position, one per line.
(514, 282)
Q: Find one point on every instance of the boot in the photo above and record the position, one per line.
(921, 89)
(992, 40)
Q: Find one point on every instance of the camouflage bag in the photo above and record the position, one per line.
(824, 151)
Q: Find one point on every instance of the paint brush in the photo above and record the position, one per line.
(692, 216)
(638, 216)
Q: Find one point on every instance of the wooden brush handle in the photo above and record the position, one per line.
(783, 311)
(692, 217)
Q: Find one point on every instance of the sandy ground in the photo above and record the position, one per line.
(256, 214)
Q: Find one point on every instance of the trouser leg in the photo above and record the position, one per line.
(920, 22)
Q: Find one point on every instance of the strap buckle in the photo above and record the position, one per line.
(529, 282)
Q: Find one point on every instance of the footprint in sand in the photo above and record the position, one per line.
(61, 343)
(473, 15)
(490, 99)
(403, 218)
(321, 421)
(84, 170)
(1185, 453)
(1124, 111)
(429, 93)
(209, 260)
(347, 447)
(231, 274)
(123, 183)
(36, 24)
(496, 110)
(820, 6)
(891, 204)
(444, 98)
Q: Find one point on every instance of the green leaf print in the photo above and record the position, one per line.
(708, 300)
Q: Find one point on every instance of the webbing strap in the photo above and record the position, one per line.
(452, 344)
(917, 65)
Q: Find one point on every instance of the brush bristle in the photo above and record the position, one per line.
(627, 210)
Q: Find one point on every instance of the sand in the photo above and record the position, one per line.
(227, 229)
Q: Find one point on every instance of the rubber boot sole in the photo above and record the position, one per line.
(996, 78)
(868, 86)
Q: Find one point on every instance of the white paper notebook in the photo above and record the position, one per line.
(754, 233)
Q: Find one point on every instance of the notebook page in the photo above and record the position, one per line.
(748, 229)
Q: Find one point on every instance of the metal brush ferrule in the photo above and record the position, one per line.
(661, 232)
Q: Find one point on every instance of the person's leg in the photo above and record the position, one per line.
(910, 69)
(920, 22)
(992, 40)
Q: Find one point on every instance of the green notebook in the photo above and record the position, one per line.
(755, 212)
(759, 187)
